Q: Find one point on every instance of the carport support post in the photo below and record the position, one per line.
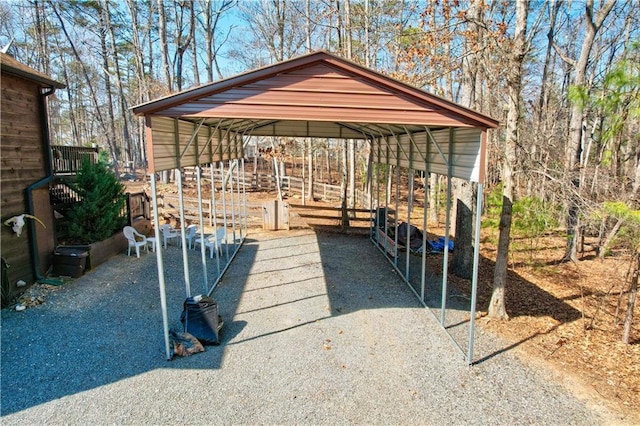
(409, 209)
(244, 197)
(203, 253)
(395, 251)
(424, 231)
(224, 208)
(445, 261)
(239, 201)
(233, 204)
(185, 258)
(215, 215)
(474, 278)
(160, 263)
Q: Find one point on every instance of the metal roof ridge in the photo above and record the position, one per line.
(194, 92)
(399, 88)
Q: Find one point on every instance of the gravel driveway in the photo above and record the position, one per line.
(319, 329)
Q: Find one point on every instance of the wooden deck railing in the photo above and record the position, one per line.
(67, 160)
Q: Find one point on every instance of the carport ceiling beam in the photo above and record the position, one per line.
(193, 138)
(210, 138)
(398, 145)
(260, 125)
(415, 145)
(389, 150)
(444, 157)
(228, 129)
(353, 127)
(372, 127)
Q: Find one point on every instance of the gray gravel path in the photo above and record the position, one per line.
(319, 329)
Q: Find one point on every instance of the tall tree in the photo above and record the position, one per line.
(213, 11)
(184, 28)
(516, 56)
(593, 20)
(104, 126)
(164, 45)
(462, 261)
(106, 67)
(125, 115)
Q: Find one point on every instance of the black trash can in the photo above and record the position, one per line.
(201, 320)
(69, 262)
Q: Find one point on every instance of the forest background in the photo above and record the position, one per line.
(563, 77)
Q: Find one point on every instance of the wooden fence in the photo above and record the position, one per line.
(290, 186)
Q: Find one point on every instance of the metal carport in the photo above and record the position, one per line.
(318, 95)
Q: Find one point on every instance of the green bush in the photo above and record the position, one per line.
(493, 208)
(532, 217)
(100, 213)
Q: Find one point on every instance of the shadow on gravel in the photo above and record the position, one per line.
(106, 326)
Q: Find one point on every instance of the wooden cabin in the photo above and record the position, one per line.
(25, 171)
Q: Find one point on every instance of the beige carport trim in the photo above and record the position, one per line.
(323, 96)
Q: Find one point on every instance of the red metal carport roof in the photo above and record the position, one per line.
(316, 95)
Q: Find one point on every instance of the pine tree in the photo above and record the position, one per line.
(100, 213)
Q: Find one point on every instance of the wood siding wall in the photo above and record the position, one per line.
(23, 162)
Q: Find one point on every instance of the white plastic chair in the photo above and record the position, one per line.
(190, 235)
(168, 233)
(135, 239)
(213, 241)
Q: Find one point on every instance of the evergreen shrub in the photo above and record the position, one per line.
(100, 214)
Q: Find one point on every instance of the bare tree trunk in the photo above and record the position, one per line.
(124, 111)
(329, 178)
(41, 36)
(164, 54)
(519, 50)
(182, 43)
(433, 197)
(389, 185)
(111, 134)
(462, 260)
(367, 36)
(345, 215)
(281, 11)
(75, 132)
(164, 46)
(369, 183)
(255, 166)
(352, 173)
(311, 176)
(194, 47)
(631, 302)
(137, 51)
(347, 29)
(151, 22)
(307, 30)
(208, 37)
(143, 92)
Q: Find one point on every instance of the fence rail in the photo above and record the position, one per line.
(289, 184)
(168, 204)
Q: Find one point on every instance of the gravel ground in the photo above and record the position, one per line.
(319, 329)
